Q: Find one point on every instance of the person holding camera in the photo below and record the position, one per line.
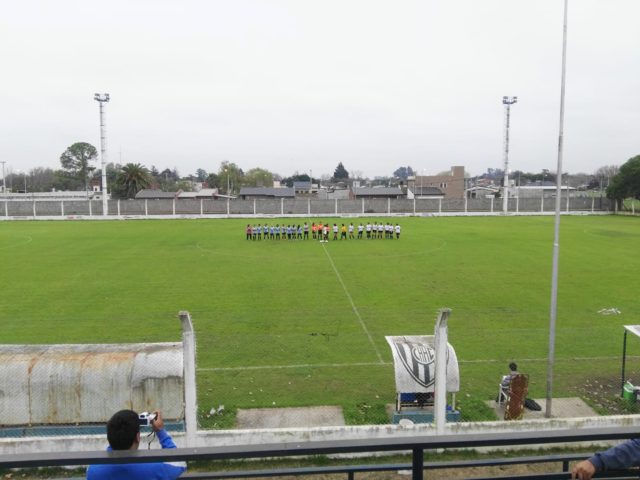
(123, 433)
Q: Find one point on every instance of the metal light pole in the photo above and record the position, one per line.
(103, 98)
(507, 102)
(556, 238)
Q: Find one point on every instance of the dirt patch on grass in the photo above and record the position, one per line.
(603, 394)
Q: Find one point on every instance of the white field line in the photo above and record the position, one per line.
(353, 305)
(382, 363)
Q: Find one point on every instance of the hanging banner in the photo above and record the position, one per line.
(414, 364)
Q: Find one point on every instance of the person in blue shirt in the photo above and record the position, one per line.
(123, 433)
(620, 457)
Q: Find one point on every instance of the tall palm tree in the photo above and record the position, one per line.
(132, 178)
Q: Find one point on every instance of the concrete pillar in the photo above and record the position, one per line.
(189, 365)
(440, 387)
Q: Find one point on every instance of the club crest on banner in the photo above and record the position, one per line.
(414, 364)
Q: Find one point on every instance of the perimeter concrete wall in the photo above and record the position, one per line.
(11, 208)
(300, 435)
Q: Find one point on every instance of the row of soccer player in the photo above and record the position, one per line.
(320, 231)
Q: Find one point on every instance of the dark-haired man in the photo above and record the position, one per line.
(123, 433)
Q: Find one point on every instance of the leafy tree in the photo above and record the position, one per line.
(605, 173)
(403, 173)
(296, 177)
(201, 175)
(627, 182)
(212, 180)
(258, 177)
(76, 163)
(184, 185)
(132, 178)
(340, 172)
(42, 179)
(229, 175)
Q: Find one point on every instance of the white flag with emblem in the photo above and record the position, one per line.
(414, 364)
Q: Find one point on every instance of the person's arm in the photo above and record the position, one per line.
(163, 436)
(171, 470)
(620, 457)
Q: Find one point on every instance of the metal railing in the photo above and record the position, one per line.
(417, 445)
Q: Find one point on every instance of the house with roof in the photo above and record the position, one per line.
(378, 192)
(203, 193)
(247, 193)
(156, 194)
(303, 189)
(451, 185)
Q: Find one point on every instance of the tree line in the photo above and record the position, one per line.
(78, 171)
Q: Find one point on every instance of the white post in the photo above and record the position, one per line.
(593, 199)
(102, 99)
(254, 206)
(62, 208)
(189, 365)
(518, 204)
(633, 206)
(227, 207)
(146, 209)
(34, 209)
(465, 203)
(173, 207)
(336, 207)
(542, 202)
(388, 206)
(492, 198)
(201, 210)
(282, 206)
(309, 206)
(567, 199)
(414, 205)
(118, 207)
(362, 205)
(90, 209)
(440, 387)
(440, 205)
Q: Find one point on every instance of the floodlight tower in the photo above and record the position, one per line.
(103, 98)
(507, 102)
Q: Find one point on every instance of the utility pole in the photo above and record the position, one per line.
(103, 98)
(553, 310)
(507, 102)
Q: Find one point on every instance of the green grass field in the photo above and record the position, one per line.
(282, 323)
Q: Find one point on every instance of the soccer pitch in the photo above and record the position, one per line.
(293, 323)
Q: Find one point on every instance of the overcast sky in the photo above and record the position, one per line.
(300, 85)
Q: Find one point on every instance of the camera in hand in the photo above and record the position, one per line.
(145, 419)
